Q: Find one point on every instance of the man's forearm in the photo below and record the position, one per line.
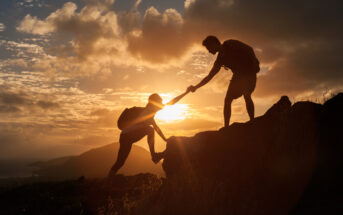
(176, 99)
(215, 69)
(162, 136)
(159, 131)
(203, 82)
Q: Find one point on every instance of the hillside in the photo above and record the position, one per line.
(265, 166)
(96, 163)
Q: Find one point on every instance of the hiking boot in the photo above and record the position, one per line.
(157, 157)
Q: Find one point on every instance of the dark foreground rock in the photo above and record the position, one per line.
(82, 196)
(287, 161)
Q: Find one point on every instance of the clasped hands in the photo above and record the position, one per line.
(191, 88)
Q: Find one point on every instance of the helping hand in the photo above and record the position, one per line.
(191, 88)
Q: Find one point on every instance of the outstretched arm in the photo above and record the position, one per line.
(158, 130)
(178, 98)
(215, 69)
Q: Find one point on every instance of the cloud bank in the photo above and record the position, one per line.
(295, 41)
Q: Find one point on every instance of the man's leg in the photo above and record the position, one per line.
(227, 109)
(233, 92)
(250, 106)
(123, 153)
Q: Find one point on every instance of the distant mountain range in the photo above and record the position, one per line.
(14, 168)
(96, 163)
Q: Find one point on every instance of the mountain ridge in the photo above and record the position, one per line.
(96, 162)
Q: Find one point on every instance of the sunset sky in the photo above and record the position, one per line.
(68, 68)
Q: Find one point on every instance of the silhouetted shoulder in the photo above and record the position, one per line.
(235, 46)
(238, 56)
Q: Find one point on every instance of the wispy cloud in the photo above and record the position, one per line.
(2, 27)
(31, 3)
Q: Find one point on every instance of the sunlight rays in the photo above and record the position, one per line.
(172, 113)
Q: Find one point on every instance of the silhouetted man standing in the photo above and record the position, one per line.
(241, 59)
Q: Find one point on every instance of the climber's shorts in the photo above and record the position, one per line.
(241, 85)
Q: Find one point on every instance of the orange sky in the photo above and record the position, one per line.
(68, 69)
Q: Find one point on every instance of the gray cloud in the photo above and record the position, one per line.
(85, 28)
(129, 21)
(9, 109)
(10, 98)
(312, 67)
(274, 19)
(162, 37)
(47, 104)
(11, 102)
(105, 117)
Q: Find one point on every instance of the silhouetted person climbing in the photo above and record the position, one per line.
(136, 123)
(241, 59)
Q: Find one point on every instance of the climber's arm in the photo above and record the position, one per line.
(158, 130)
(178, 98)
(215, 69)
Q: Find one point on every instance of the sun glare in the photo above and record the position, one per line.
(172, 113)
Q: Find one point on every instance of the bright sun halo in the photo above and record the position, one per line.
(172, 113)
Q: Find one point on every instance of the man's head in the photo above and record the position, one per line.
(155, 101)
(211, 43)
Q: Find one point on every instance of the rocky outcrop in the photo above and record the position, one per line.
(276, 163)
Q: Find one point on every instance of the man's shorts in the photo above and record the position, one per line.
(134, 133)
(241, 85)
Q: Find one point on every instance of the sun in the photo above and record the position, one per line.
(172, 113)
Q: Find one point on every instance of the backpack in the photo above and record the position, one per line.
(240, 57)
(129, 117)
